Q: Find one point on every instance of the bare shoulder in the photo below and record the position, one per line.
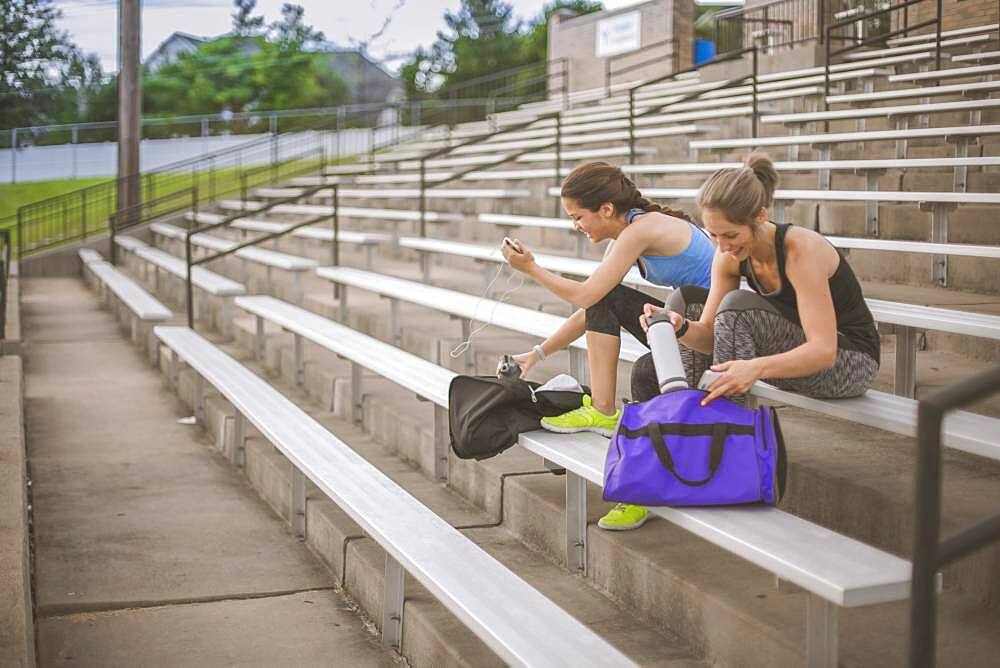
(662, 233)
(806, 248)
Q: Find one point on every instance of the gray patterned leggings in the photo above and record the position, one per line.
(747, 326)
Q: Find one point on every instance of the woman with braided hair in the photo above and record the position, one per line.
(669, 250)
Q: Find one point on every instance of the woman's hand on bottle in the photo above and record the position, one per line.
(649, 310)
(517, 254)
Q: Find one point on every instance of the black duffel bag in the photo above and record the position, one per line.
(486, 414)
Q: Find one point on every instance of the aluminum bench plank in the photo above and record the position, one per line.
(527, 221)
(878, 112)
(88, 255)
(950, 73)
(314, 232)
(977, 57)
(512, 618)
(813, 165)
(346, 211)
(129, 243)
(967, 250)
(843, 137)
(843, 195)
(912, 48)
(405, 369)
(932, 37)
(586, 154)
(923, 91)
(839, 569)
(203, 278)
(962, 430)
(260, 255)
(939, 319)
(472, 307)
(843, 67)
(144, 305)
(557, 263)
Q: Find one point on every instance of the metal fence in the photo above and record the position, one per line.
(770, 25)
(86, 212)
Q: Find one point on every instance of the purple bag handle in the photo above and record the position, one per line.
(719, 432)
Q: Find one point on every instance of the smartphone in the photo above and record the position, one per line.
(508, 242)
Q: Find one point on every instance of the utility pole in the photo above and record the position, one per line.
(129, 108)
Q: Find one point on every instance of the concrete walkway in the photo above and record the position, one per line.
(149, 549)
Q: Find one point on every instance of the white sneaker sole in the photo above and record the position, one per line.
(606, 433)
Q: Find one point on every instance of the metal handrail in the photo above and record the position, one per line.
(610, 72)
(424, 186)
(929, 553)
(194, 229)
(857, 44)
(807, 16)
(722, 58)
(4, 273)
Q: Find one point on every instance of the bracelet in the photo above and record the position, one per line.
(682, 330)
(538, 349)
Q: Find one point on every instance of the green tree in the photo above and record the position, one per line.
(30, 47)
(483, 38)
(244, 24)
(291, 32)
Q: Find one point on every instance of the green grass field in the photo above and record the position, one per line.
(14, 195)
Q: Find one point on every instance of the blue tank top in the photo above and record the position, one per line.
(692, 266)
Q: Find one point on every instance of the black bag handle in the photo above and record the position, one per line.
(719, 432)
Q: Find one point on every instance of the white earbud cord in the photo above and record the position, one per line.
(464, 345)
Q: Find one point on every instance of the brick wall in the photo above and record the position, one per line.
(957, 13)
(573, 38)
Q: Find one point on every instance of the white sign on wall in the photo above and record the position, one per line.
(618, 34)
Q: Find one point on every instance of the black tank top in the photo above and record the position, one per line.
(855, 325)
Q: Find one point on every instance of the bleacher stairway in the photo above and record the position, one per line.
(661, 595)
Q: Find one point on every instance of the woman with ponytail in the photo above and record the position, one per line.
(669, 251)
(803, 326)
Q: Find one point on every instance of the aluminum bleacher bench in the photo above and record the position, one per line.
(946, 34)
(119, 291)
(557, 263)
(367, 240)
(951, 73)
(912, 48)
(399, 193)
(345, 211)
(977, 57)
(203, 279)
(469, 308)
(962, 430)
(835, 570)
(268, 258)
(975, 88)
(88, 255)
(512, 618)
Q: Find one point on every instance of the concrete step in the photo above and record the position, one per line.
(647, 568)
(433, 636)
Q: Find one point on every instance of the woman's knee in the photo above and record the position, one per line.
(643, 379)
(602, 316)
(685, 297)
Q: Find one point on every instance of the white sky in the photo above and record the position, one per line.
(92, 24)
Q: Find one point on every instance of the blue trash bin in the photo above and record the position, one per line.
(704, 51)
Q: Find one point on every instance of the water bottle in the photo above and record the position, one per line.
(666, 355)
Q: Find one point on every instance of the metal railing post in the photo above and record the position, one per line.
(937, 50)
(631, 125)
(558, 204)
(335, 248)
(20, 234)
(189, 286)
(755, 110)
(83, 214)
(13, 155)
(423, 197)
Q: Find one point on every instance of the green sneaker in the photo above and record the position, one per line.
(585, 418)
(623, 517)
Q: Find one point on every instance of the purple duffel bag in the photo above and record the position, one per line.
(672, 451)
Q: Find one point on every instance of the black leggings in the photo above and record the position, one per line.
(620, 309)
